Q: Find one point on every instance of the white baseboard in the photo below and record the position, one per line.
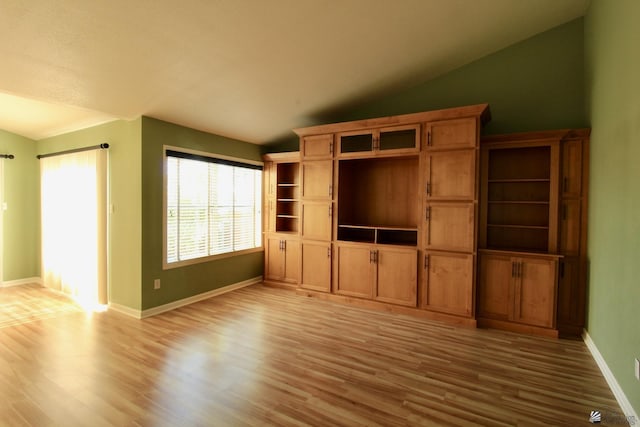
(19, 282)
(123, 309)
(624, 403)
(138, 314)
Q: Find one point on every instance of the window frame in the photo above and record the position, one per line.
(176, 264)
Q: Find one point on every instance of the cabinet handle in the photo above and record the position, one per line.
(284, 245)
(375, 257)
(370, 257)
(329, 252)
(428, 138)
(428, 189)
(565, 184)
(330, 190)
(331, 147)
(426, 261)
(519, 269)
(427, 214)
(513, 269)
(280, 245)
(330, 210)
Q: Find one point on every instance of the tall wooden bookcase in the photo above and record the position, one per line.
(375, 197)
(532, 268)
(417, 214)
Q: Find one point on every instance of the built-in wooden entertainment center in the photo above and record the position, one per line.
(417, 214)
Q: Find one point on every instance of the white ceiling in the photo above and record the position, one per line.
(247, 69)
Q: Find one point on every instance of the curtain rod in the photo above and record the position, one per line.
(7, 156)
(75, 150)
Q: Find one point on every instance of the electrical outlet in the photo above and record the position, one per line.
(638, 369)
(156, 284)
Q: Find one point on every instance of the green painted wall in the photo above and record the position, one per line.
(536, 84)
(125, 195)
(21, 231)
(191, 280)
(612, 37)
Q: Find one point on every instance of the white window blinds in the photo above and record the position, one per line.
(213, 206)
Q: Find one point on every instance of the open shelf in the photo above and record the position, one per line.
(518, 198)
(287, 198)
(379, 235)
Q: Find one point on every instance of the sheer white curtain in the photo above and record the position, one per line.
(73, 210)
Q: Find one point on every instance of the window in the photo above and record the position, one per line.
(213, 207)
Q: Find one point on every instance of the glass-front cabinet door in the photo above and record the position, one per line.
(371, 142)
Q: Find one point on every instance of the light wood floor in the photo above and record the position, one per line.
(264, 356)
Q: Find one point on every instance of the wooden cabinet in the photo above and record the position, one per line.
(316, 266)
(448, 280)
(388, 140)
(518, 288)
(378, 194)
(317, 180)
(572, 168)
(396, 274)
(387, 274)
(452, 134)
(282, 217)
(533, 200)
(282, 259)
(316, 220)
(316, 147)
(450, 216)
(317, 212)
(573, 233)
(450, 175)
(450, 226)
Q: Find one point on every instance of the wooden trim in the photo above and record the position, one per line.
(481, 110)
(290, 156)
(516, 327)
(520, 254)
(392, 308)
(538, 135)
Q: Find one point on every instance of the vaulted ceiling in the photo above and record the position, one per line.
(246, 69)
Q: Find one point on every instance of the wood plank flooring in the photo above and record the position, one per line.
(264, 356)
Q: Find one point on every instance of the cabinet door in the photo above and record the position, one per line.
(535, 292)
(316, 266)
(451, 175)
(570, 214)
(269, 179)
(274, 259)
(448, 134)
(353, 270)
(270, 217)
(450, 226)
(448, 283)
(495, 286)
(291, 261)
(572, 168)
(316, 147)
(570, 295)
(316, 220)
(355, 144)
(317, 180)
(397, 275)
(398, 140)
